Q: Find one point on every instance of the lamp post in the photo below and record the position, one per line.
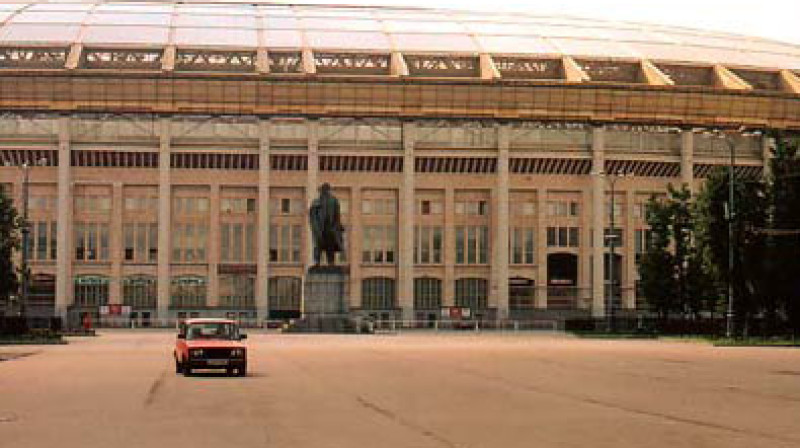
(730, 215)
(26, 229)
(612, 239)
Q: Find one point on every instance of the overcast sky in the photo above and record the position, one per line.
(775, 19)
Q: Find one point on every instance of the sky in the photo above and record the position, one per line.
(773, 19)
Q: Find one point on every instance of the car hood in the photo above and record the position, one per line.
(213, 343)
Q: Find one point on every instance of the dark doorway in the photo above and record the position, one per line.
(562, 281)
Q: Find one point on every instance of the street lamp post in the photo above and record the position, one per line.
(25, 238)
(26, 229)
(612, 239)
(731, 216)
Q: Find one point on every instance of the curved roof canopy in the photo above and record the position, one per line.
(238, 26)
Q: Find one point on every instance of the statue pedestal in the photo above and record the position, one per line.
(325, 302)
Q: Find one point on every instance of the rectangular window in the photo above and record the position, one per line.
(41, 241)
(472, 244)
(379, 244)
(563, 237)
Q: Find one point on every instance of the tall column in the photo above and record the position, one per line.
(64, 247)
(687, 159)
(499, 284)
(629, 258)
(767, 147)
(164, 217)
(115, 230)
(262, 254)
(213, 248)
(598, 221)
(311, 184)
(586, 249)
(405, 218)
(540, 301)
(449, 287)
(355, 238)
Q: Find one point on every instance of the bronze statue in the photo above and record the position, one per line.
(326, 225)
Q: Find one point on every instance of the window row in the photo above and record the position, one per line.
(42, 239)
(237, 291)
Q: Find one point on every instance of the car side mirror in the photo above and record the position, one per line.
(181, 336)
(242, 336)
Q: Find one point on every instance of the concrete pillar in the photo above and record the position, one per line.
(213, 249)
(64, 252)
(405, 223)
(767, 147)
(448, 286)
(311, 185)
(585, 251)
(262, 254)
(598, 220)
(498, 298)
(115, 240)
(629, 255)
(164, 218)
(687, 159)
(356, 238)
(540, 301)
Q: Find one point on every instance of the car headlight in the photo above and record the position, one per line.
(237, 352)
(196, 353)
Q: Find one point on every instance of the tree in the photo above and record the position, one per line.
(782, 244)
(10, 225)
(656, 267)
(749, 218)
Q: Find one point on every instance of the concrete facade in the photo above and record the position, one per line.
(504, 218)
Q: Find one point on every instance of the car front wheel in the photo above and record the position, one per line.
(242, 371)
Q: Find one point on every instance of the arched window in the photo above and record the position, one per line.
(188, 291)
(237, 291)
(427, 293)
(284, 297)
(91, 290)
(472, 293)
(140, 291)
(378, 293)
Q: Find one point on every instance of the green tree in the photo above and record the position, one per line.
(10, 225)
(656, 267)
(782, 243)
(749, 218)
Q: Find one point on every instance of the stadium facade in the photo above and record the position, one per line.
(173, 150)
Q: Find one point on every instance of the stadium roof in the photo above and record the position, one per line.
(254, 26)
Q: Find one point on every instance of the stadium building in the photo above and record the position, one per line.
(172, 151)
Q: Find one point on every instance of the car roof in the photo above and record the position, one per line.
(204, 320)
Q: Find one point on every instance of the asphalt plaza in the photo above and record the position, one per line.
(408, 390)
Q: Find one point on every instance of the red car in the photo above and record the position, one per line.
(210, 344)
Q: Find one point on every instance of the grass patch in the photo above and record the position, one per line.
(614, 335)
(757, 342)
(31, 340)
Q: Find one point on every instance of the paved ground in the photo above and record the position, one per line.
(413, 390)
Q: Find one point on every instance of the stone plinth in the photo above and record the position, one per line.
(325, 302)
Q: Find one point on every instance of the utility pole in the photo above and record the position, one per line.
(25, 239)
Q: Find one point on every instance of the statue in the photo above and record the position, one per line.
(326, 225)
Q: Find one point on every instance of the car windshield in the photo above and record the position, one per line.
(212, 330)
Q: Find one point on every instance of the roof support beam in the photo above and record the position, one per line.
(168, 61)
(572, 71)
(489, 70)
(790, 82)
(653, 75)
(309, 67)
(398, 64)
(726, 79)
(262, 61)
(74, 56)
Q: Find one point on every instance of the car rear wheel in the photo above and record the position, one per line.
(242, 371)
